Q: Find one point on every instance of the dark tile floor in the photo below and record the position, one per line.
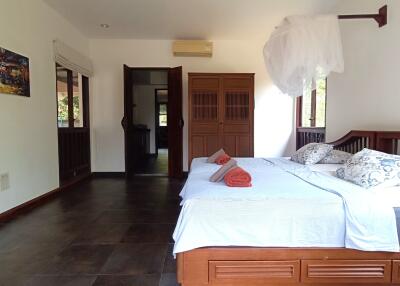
(103, 232)
(155, 164)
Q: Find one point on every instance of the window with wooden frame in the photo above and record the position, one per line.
(311, 114)
(72, 98)
(311, 107)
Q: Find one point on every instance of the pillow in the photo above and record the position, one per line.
(369, 168)
(311, 153)
(214, 156)
(336, 157)
(219, 175)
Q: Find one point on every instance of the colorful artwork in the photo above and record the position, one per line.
(14, 73)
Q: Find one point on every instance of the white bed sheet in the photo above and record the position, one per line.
(250, 214)
(388, 195)
(215, 215)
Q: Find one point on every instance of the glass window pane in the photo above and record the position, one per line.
(306, 107)
(163, 109)
(62, 97)
(162, 114)
(320, 103)
(77, 99)
(163, 120)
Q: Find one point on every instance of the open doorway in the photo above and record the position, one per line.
(161, 128)
(153, 121)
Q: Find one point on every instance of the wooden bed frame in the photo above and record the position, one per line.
(251, 266)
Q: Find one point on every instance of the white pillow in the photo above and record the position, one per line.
(370, 168)
(336, 157)
(311, 153)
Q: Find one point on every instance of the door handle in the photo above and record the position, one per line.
(181, 123)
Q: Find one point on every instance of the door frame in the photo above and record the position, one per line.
(157, 112)
(127, 120)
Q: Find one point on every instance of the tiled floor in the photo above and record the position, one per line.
(104, 232)
(155, 165)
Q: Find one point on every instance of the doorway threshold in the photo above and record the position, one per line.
(152, 175)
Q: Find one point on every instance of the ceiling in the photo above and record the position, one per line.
(183, 19)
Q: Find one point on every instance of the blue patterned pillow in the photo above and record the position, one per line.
(336, 157)
(370, 168)
(311, 153)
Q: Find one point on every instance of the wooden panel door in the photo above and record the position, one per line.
(237, 105)
(175, 123)
(127, 122)
(204, 115)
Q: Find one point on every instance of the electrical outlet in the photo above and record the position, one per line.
(4, 182)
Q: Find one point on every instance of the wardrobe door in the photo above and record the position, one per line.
(204, 116)
(237, 111)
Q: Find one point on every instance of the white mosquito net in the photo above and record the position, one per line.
(302, 50)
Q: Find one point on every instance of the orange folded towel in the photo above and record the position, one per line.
(223, 159)
(237, 177)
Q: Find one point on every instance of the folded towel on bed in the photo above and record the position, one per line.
(214, 156)
(223, 159)
(219, 175)
(237, 177)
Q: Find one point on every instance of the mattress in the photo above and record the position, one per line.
(269, 214)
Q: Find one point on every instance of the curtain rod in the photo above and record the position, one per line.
(380, 18)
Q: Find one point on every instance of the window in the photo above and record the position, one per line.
(162, 114)
(72, 92)
(62, 97)
(311, 107)
(77, 99)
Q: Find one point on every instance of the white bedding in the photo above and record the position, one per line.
(269, 214)
(388, 195)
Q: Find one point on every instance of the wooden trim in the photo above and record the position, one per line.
(157, 116)
(11, 213)
(380, 18)
(355, 141)
(70, 91)
(85, 101)
(253, 266)
(388, 141)
(299, 110)
(313, 118)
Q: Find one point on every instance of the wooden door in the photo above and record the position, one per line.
(127, 122)
(175, 123)
(204, 115)
(237, 107)
(73, 125)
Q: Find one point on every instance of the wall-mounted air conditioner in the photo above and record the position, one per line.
(190, 48)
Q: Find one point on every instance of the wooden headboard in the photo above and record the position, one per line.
(356, 140)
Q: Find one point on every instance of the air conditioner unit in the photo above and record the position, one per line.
(186, 48)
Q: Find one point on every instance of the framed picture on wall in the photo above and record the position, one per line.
(14, 73)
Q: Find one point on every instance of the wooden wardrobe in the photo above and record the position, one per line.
(221, 114)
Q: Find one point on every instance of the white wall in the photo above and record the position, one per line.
(273, 113)
(144, 111)
(28, 140)
(367, 95)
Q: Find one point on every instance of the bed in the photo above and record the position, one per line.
(277, 258)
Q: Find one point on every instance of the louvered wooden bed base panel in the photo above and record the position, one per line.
(283, 266)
